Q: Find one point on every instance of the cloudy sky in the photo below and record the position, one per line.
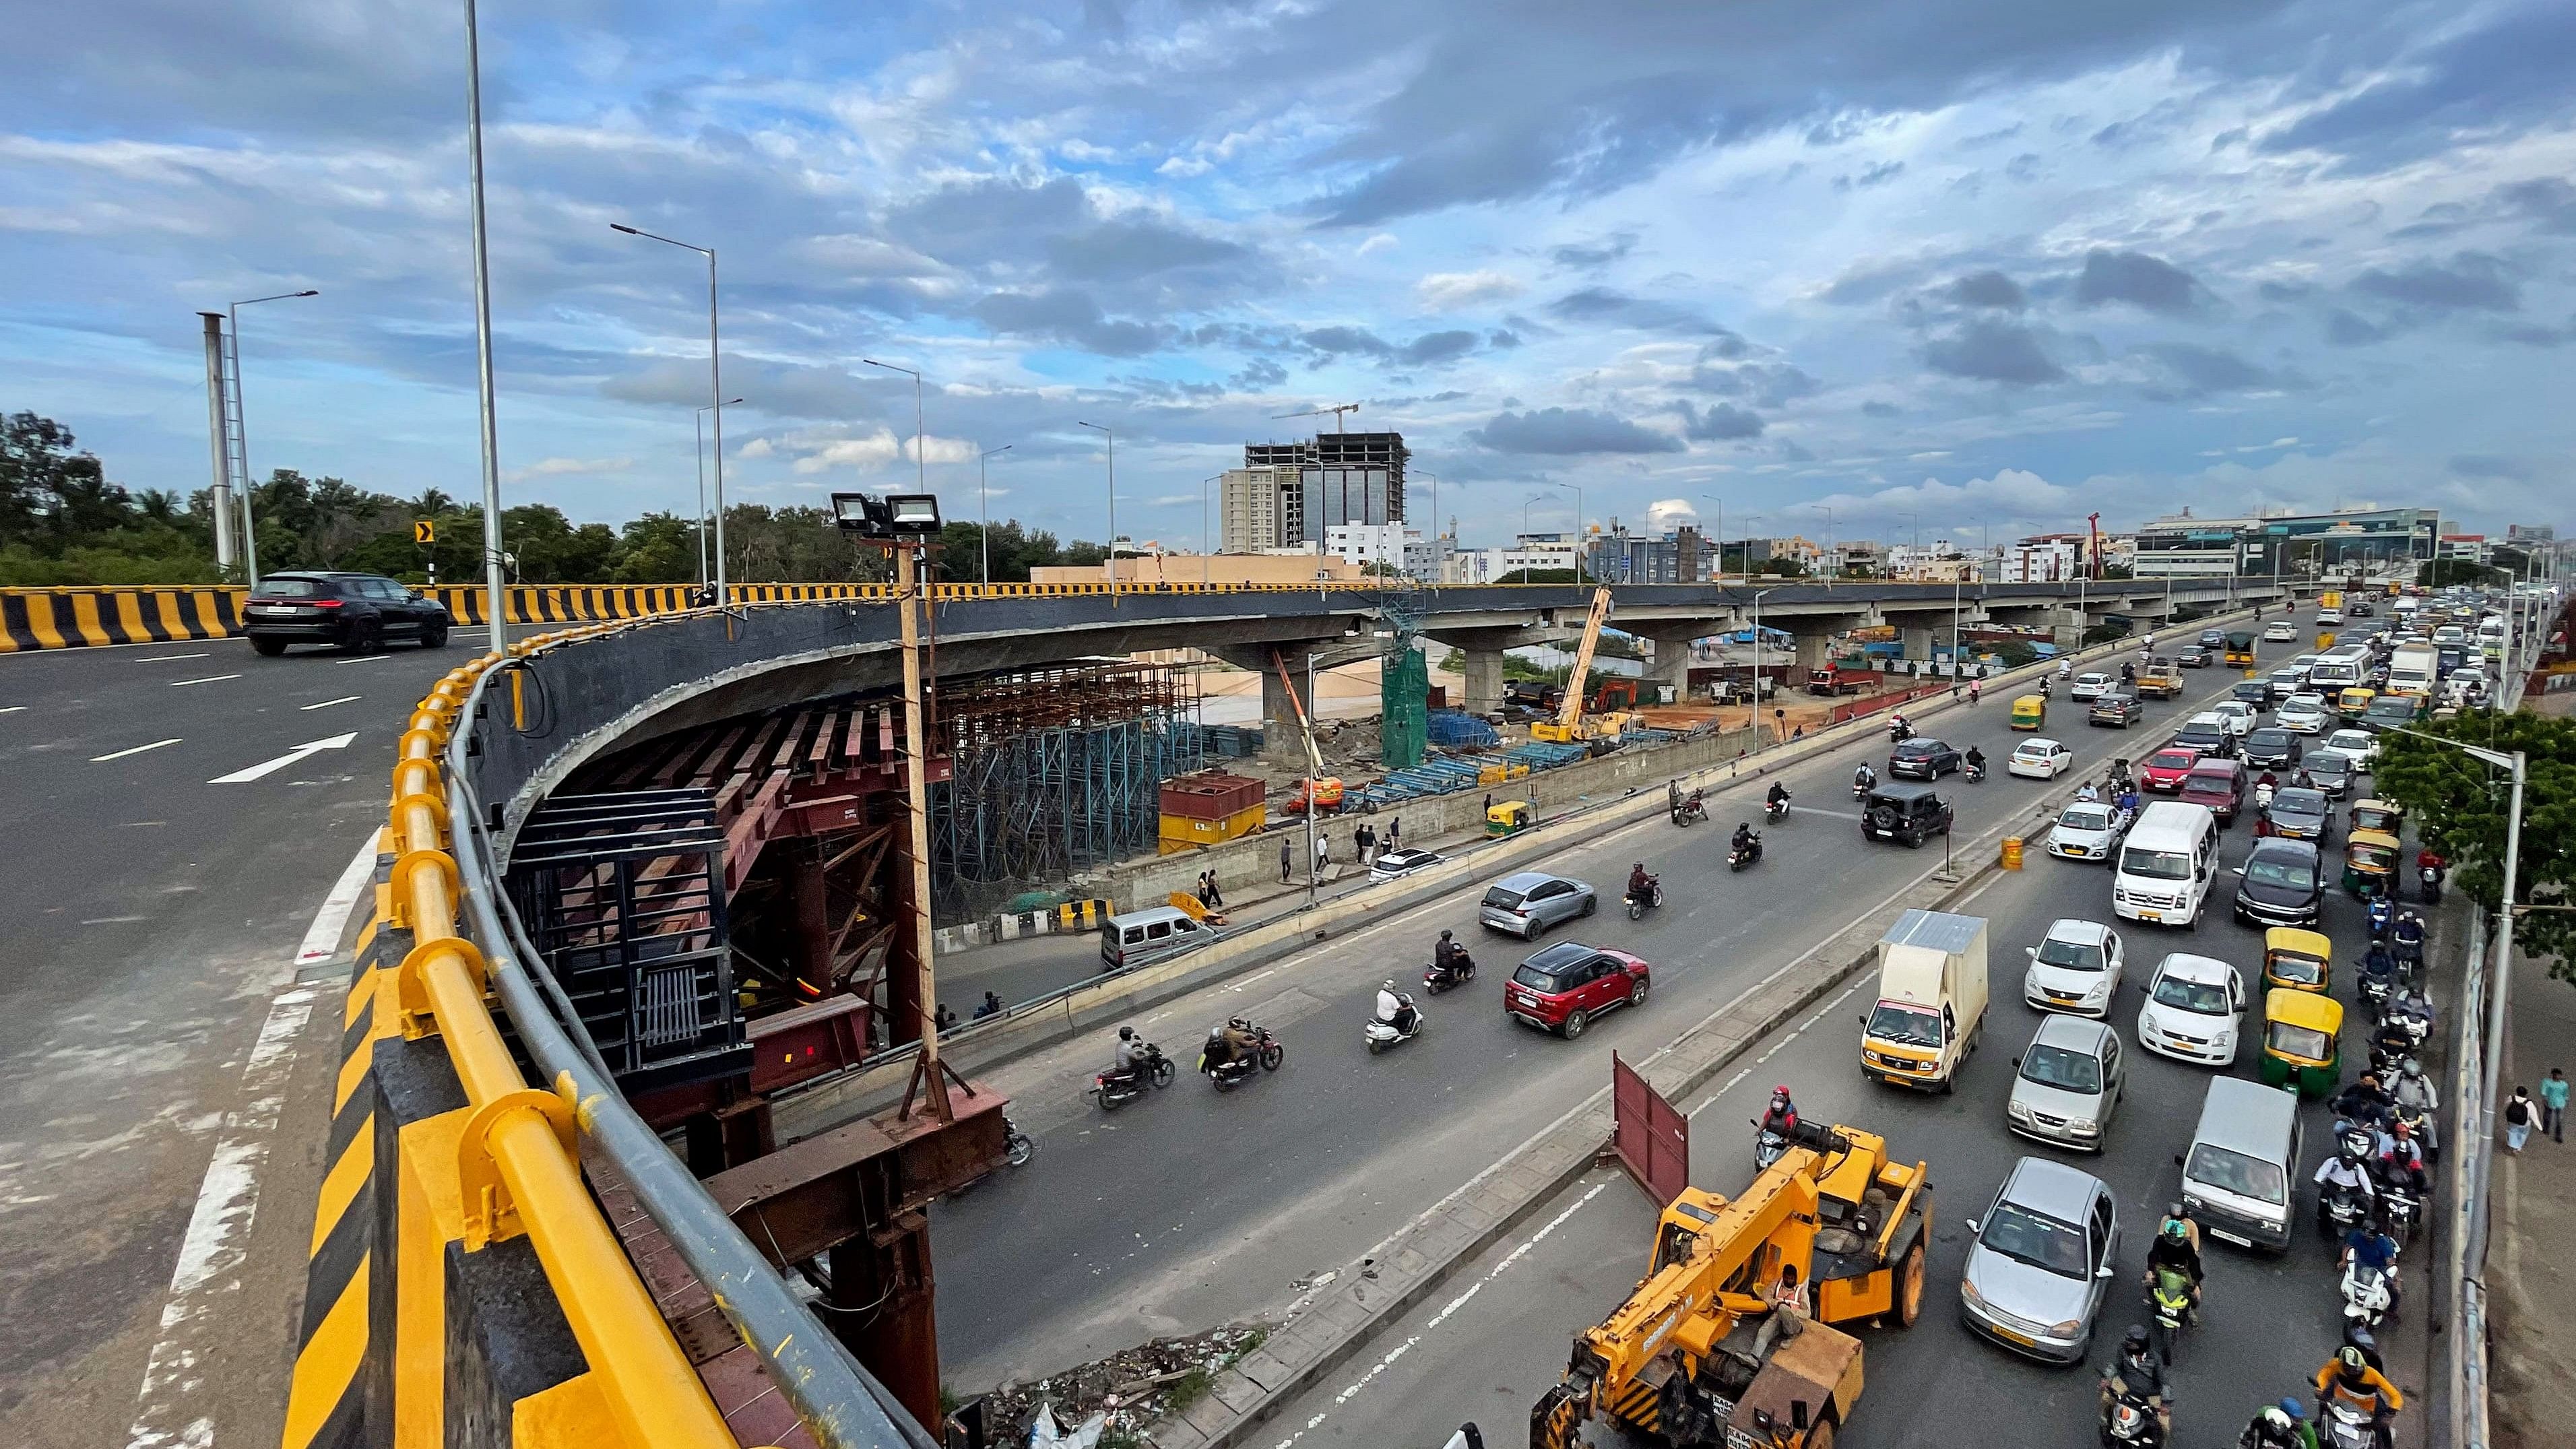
(1966, 266)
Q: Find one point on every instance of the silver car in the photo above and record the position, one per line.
(1528, 902)
(2066, 1084)
(2040, 1262)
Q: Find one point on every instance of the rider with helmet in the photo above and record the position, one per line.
(2348, 1379)
(2137, 1369)
(2279, 1426)
(1781, 1117)
(1743, 840)
(1448, 957)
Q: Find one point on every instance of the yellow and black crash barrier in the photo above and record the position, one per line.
(1082, 915)
(80, 618)
(464, 1289)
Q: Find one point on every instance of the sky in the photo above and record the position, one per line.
(1890, 269)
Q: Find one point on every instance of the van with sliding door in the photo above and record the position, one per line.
(2166, 864)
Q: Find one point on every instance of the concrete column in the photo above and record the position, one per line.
(1483, 669)
(1283, 739)
(1669, 667)
(1917, 642)
(2066, 628)
(1815, 651)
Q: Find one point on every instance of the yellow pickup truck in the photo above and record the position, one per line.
(2159, 678)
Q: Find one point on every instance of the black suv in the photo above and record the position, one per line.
(357, 612)
(2283, 884)
(1928, 759)
(2273, 748)
(1910, 813)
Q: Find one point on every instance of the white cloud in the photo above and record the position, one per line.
(940, 450)
(756, 448)
(566, 467)
(1448, 291)
(1665, 513)
(1381, 242)
(866, 454)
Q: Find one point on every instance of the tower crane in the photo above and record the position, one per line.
(1337, 409)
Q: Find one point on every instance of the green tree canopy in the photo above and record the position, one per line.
(2458, 805)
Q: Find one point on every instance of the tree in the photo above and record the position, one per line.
(2459, 806)
(2442, 573)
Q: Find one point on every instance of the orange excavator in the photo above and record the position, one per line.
(1704, 1356)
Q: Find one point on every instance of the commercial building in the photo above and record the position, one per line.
(1491, 565)
(1683, 556)
(1192, 568)
(1325, 482)
(1393, 545)
(1937, 562)
(1254, 508)
(2301, 545)
(2472, 547)
(2048, 558)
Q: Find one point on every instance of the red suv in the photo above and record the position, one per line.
(1563, 987)
(2165, 768)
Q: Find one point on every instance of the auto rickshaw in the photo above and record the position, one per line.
(2029, 712)
(2302, 1042)
(2370, 863)
(2385, 816)
(1508, 818)
(2355, 702)
(2296, 960)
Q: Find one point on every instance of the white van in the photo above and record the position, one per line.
(2166, 864)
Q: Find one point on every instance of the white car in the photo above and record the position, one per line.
(2195, 1006)
(2306, 713)
(2038, 759)
(2281, 631)
(2087, 830)
(1397, 864)
(2239, 715)
(2074, 968)
(2361, 745)
(2088, 687)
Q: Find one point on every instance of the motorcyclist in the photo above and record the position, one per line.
(1448, 956)
(1781, 1117)
(2279, 1426)
(2347, 1378)
(1743, 840)
(2377, 963)
(1976, 760)
(2344, 1171)
(1864, 777)
(1218, 1051)
(1129, 1056)
(2433, 860)
(1899, 729)
(2365, 1103)
(1641, 886)
(2416, 1097)
(1776, 796)
(2065, 668)
(1395, 1008)
(2401, 1159)
(2267, 781)
(2089, 794)
(2136, 1368)
(2408, 933)
(2174, 1249)
(2128, 674)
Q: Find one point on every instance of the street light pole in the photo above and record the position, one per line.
(1721, 537)
(715, 384)
(701, 529)
(1203, 533)
(984, 506)
(241, 433)
(1113, 524)
(495, 587)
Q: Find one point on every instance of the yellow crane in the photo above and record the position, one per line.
(1701, 1355)
(1569, 726)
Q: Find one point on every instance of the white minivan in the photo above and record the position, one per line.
(2166, 865)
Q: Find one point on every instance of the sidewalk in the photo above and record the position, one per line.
(2531, 1255)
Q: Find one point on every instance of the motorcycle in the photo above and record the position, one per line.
(1739, 857)
(2410, 958)
(1382, 1034)
(2130, 1422)
(2341, 1426)
(1153, 1071)
(1898, 732)
(1976, 773)
(2382, 916)
(2401, 1207)
(2168, 1309)
(1642, 901)
(2375, 991)
(1436, 980)
(2340, 1209)
(2366, 1296)
(1860, 790)
(1266, 1056)
(1767, 1145)
(1776, 810)
(1017, 1146)
(1691, 811)
(2431, 878)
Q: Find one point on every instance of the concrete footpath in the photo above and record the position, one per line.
(2531, 1254)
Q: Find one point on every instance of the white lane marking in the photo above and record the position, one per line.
(1836, 814)
(138, 749)
(209, 679)
(1448, 1310)
(11, 708)
(267, 767)
(113, 920)
(322, 938)
(326, 704)
(166, 658)
(203, 1308)
(366, 659)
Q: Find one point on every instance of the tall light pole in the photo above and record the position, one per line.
(1721, 535)
(984, 505)
(1113, 516)
(715, 384)
(1579, 549)
(1914, 535)
(1203, 533)
(701, 529)
(1832, 564)
(241, 438)
(1439, 555)
(495, 587)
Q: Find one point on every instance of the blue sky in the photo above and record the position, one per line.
(1967, 266)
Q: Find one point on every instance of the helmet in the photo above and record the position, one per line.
(2359, 1336)
(2290, 1406)
(2175, 1230)
(2274, 1420)
(2412, 1067)
(2399, 1129)
(1445, 935)
(2134, 1341)
(1387, 985)
(1239, 1023)
(2353, 1359)
(1126, 1033)
(1640, 865)
(1216, 1033)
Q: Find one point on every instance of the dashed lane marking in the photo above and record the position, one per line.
(209, 679)
(138, 749)
(12, 708)
(365, 659)
(326, 704)
(167, 658)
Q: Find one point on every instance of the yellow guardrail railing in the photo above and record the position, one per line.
(518, 1162)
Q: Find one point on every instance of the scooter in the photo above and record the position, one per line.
(2430, 876)
(1776, 810)
(1767, 1145)
(2399, 1205)
(2382, 916)
(2374, 992)
(1898, 732)
(1640, 902)
(1742, 856)
(1153, 1071)
(1976, 773)
(1861, 789)
(1435, 980)
(2130, 1422)
(1266, 1056)
(2341, 1426)
(1383, 1034)
(2339, 1211)
(2366, 1299)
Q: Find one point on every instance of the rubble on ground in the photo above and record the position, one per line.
(1134, 1386)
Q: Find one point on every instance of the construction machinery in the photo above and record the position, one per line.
(1326, 790)
(1571, 727)
(1704, 1354)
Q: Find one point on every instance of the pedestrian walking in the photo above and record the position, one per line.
(1489, 802)
(1323, 851)
(2553, 1105)
(1285, 860)
(1976, 691)
(1363, 840)
(1394, 831)
(2517, 1121)
(1215, 894)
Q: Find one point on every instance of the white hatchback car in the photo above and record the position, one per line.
(2088, 687)
(2361, 745)
(2239, 715)
(2306, 713)
(2195, 1006)
(2075, 968)
(2281, 631)
(2087, 830)
(2039, 759)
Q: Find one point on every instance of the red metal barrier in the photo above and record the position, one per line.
(1651, 1136)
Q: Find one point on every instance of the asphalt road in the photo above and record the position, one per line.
(1193, 1209)
(2268, 1322)
(152, 918)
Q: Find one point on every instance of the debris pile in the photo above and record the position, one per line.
(1134, 1387)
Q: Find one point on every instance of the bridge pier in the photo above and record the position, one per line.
(1815, 651)
(1670, 666)
(1283, 741)
(1918, 643)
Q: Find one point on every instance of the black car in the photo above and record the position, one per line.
(2116, 709)
(1908, 813)
(1923, 759)
(2209, 739)
(2282, 883)
(2195, 656)
(2300, 814)
(2273, 748)
(2333, 772)
(2256, 692)
(356, 612)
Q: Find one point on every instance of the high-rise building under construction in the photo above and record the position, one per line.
(1287, 494)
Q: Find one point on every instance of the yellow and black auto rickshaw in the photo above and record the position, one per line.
(2296, 960)
(2029, 712)
(2302, 1042)
(2370, 863)
(2353, 703)
(1511, 817)
(2386, 816)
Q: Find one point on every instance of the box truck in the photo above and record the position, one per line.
(1931, 1008)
